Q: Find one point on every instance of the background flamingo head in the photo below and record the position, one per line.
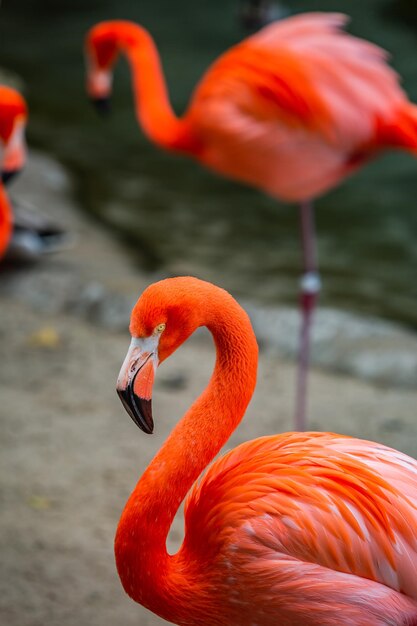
(13, 118)
(165, 315)
(101, 51)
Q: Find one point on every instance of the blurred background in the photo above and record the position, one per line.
(69, 454)
(173, 213)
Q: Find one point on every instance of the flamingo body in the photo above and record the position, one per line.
(301, 528)
(296, 513)
(291, 110)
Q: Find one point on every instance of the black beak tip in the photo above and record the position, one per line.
(102, 105)
(8, 175)
(145, 411)
(139, 409)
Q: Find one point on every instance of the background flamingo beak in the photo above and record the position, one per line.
(7, 175)
(98, 84)
(102, 105)
(14, 153)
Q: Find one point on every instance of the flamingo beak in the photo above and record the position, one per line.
(102, 105)
(14, 153)
(135, 381)
(8, 175)
(99, 84)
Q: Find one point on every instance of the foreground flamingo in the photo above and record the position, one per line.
(303, 528)
(291, 110)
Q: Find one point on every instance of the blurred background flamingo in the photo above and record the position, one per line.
(292, 110)
(26, 235)
(13, 116)
(13, 119)
(6, 221)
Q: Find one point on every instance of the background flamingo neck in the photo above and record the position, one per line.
(5, 221)
(153, 108)
(148, 573)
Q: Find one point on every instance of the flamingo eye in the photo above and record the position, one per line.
(159, 329)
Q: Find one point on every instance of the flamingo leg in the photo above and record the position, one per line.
(310, 288)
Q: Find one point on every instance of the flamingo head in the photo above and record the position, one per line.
(101, 51)
(13, 118)
(166, 314)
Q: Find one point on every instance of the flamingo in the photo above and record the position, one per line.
(309, 528)
(6, 221)
(292, 110)
(25, 234)
(13, 116)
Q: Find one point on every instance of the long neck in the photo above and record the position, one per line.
(153, 108)
(148, 573)
(5, 221)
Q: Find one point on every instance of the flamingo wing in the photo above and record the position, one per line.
(305, 72)
(344, 504)
(296, 107)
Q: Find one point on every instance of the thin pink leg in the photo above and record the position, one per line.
(310, 288)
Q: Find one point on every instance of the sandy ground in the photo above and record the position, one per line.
(69, 454)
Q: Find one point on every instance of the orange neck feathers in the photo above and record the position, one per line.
(153, 108)
(148, 573)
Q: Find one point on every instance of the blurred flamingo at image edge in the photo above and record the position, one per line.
(301, 528)
(26, 235)
(6, 221)
(292, 110)
(13, 117)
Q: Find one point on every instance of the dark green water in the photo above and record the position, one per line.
(179, 217)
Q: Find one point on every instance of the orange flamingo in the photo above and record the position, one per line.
(302, 528)
(13, 115)
(6, 221)
(25, 234)
(13, 118)
(292, 110)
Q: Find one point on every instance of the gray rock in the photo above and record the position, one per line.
(365, 347)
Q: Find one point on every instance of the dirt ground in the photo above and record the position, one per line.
(70, 455)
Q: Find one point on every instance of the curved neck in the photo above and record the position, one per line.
(5, 221)
(149, 575)
(153, 108)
